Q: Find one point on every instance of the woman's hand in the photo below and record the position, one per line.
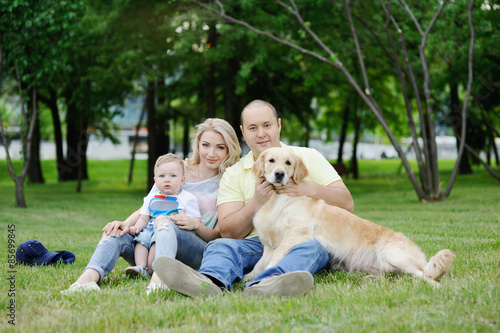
(115, 228)
(185, 222)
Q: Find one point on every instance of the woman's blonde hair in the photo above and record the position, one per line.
(226, 130)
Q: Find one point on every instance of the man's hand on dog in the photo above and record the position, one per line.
(293, 189)
(263, 190)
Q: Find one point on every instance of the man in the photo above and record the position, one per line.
(240, 196)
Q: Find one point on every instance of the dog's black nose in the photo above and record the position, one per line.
(279, 175)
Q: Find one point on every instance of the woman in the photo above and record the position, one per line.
(215, 147)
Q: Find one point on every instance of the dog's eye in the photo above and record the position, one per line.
(271, 160)
(288, 163)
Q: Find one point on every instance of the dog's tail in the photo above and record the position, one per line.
(439, 265)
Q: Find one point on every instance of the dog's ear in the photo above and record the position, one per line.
(299, 170)
(258, 166)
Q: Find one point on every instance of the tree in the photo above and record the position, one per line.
(94, 80)
(47, 42)
(19, 179)
(428, 188)
(143, 30)
(451, 83)
(29, 31)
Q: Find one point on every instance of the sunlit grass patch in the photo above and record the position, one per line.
(468, 223)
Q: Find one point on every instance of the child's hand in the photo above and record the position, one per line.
(133, 230)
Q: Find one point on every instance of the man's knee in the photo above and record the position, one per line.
(233, 247)
(312, 244)
(310, 248)
(221, 243)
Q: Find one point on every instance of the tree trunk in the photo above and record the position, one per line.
(51, 102)
(343, 132)
(152, 135)
(211, 84)
(20, 199)
(82, 147)
(495, 150)
(134, 143)
(354, 158)
(69, 170)
(35, 175)
(307, 134)
(162, 120)
(19, 180)
(76, 151)
(456, 116)
(431, 186)
(232, 102)
(185, 137)
(492, 132)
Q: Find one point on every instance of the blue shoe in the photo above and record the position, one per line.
(135, 271)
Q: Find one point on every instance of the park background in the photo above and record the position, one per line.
(91, 92)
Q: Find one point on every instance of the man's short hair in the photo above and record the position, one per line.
(258, 103)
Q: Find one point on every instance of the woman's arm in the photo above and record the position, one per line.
(119, 228)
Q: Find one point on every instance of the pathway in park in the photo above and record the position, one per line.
(105, 150)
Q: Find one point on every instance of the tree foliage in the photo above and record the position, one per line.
(329, 67)
(405, 43)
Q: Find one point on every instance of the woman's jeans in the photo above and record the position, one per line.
(171, 241)
(228, 260)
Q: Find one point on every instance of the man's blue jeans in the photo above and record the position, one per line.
(228, 260)
(173, 242)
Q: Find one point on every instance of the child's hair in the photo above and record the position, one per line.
(169, 158)
(226, 130)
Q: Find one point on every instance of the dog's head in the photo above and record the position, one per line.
(279, 165)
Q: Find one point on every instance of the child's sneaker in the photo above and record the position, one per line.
(135, 271)
(155, 287)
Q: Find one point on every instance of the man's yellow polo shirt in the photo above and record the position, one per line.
(238, 181)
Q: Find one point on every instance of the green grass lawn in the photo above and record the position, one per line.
(467, 223)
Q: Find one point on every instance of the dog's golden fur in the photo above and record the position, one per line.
(354, 244)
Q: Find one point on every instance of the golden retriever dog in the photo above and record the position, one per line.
(354, 244)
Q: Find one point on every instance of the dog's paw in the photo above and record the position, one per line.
(432, 282)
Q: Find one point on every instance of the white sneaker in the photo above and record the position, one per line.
(155, 287)
(77, 288)
(184, 279)
(287, 284)
(135, 271)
